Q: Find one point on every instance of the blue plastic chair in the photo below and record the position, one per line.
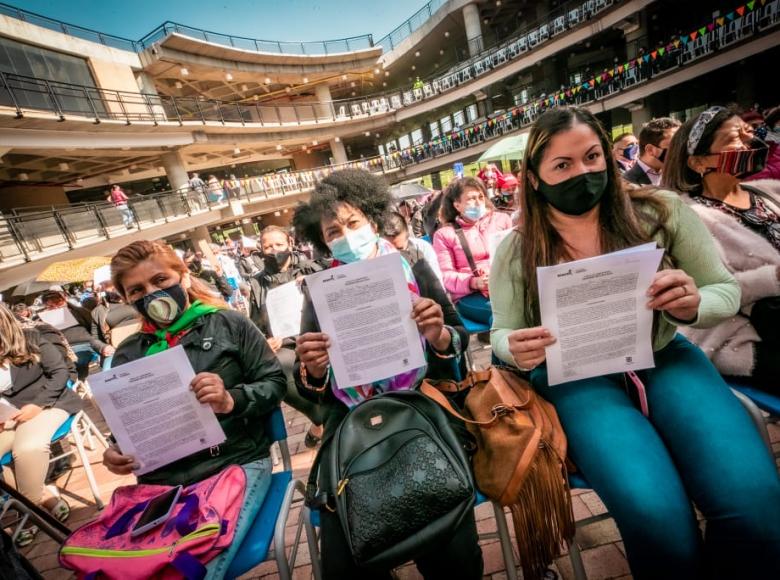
(501, 534)
(271, 520)
(472, 327)
(763, 400)
(578, 481)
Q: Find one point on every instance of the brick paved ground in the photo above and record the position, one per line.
(602, 550)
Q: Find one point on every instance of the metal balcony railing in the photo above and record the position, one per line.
(66, 100)
(314, 47)
(406, 28)
(282, 47)
(31, 232)
(69, 29)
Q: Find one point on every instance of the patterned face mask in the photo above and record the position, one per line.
(742, 162)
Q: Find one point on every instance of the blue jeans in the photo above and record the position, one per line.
(698, 445)
(85, 354)
(258, 481)
(475, 307)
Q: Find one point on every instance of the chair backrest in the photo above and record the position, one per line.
(277, 431)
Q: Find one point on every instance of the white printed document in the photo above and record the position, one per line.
(284, 304)
(597, 309)
(59, 318)
(366, 310)
(152, 412)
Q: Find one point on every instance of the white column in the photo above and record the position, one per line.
(325, 108)
(201, 238)
(338, 152)
(473, 28)
(173, 163)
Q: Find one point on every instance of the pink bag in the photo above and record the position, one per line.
(202, 524)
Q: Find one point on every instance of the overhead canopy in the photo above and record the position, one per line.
(507, 148)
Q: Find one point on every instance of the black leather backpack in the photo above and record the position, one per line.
(399, 478)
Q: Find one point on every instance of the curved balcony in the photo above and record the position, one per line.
(69, 101)
(304, 48)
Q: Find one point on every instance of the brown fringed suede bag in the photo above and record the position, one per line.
(520, 459)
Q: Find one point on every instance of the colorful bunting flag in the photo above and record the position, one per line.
(661, 51)
(721, 21)
(741, 10)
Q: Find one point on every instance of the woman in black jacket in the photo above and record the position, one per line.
(33, 378)
(237, 374)
(342, 219)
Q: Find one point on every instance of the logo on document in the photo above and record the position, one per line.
(629, 360)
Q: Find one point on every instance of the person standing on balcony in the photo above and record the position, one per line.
(462, 245)
(196, 183)
(232, 187)
(119, 199)
(215, 192)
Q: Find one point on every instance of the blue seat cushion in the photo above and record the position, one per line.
(59, 434)
(473, 327)
(257, 542)
(763, 400)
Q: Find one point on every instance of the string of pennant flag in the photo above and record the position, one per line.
(659, 52)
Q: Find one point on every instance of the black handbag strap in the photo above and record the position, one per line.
(466, 248)
(315, 498)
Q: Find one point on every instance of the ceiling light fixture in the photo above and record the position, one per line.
(414, 67)
(337, 139)
(376, 71)
(228, 77)
(236, 151)
(278, 147)
(178, 84)
(367, 134)
(315, 142)
(286, 89)
(441, 51)
(352, 84)
(244, 88)
(184, 72)
(79, 181)
(255, 97)
(23, 177)
(343, 77)
(64, 167)
(446, 34)
(387, 73)
(267, 81)
(417, 53)
(305, 80)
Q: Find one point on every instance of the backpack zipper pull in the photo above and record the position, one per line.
(342, 484)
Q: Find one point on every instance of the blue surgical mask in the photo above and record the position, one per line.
(475, 212)
(631, 151)
(356, 245)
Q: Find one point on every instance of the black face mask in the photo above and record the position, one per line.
(275, 262)
(163, 306)
(577, 194)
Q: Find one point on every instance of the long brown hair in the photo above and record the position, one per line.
(627, 218)
(134, 253)
(454, 191)
(14, 346)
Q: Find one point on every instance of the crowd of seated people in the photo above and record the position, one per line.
(689, 187)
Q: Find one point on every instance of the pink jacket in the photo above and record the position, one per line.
(452, 259)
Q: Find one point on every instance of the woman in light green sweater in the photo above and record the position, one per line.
(697, 444)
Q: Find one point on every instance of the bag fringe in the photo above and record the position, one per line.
(542, 516)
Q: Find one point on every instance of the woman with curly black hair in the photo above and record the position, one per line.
(342, 219)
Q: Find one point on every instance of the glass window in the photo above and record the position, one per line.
(404, 142)
(42, 64)
(459, 118)
(434, 129)
(446, 124)
(381, 150)
(471, 112)
(417, 137)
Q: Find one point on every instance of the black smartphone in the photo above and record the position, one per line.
(157, 511)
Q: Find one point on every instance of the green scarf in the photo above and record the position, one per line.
(182, 324)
